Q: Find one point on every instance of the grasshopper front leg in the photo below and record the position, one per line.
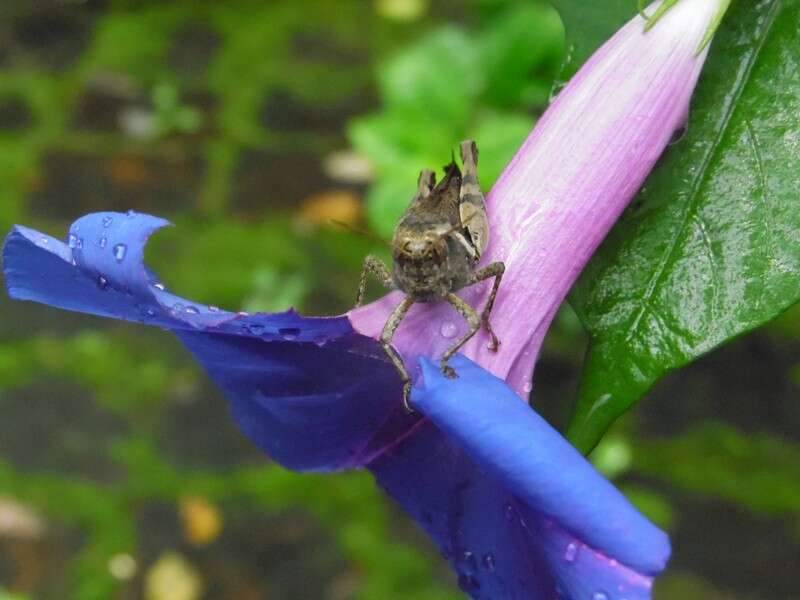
(376, 267)
(386, 341)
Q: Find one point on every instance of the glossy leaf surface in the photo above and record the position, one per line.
(709, 249)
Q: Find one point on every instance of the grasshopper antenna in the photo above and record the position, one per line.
(362, 232)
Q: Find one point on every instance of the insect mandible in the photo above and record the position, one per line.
(436, 247)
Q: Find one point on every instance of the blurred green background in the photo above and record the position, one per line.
(251, 125)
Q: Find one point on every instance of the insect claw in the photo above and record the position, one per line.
(448, 371)
(407, 397)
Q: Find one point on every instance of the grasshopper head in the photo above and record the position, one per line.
(420, 246)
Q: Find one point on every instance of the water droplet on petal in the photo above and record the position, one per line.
(679, 134)
(102, 242)
(177, 308)
(469, 560)
(102, 282)
(571, 552)
(448, 329)
(192, 310)
(150, 312)
(107, 221)
(289, 333)
(131, 213)
(488, 562)
(43, 241)
(468, 583)
(119, 252)
(72, 240)
(159, 286)
(255, 329)
(213, 308)
(600, 596)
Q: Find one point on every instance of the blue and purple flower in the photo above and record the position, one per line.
(517, 511)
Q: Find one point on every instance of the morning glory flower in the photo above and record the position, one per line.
(513, 507)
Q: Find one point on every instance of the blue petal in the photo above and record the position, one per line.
(487, 477)
(312, 393)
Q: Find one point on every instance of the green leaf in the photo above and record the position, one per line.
(760, 472)
(437, 75)
(524, 39)
(588, 25)
(709, 249)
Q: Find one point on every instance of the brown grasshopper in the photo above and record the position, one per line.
(436, 247)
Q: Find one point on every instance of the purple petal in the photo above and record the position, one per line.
(488, 477)
(311, 392)
(556, 200)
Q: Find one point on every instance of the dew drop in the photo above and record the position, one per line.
(600, 596)
(102, 242)
(527, 387)
(159, 286)
(469, 560)
(488, 562)
(571, 552)
(679, 134)
(131, 213)
(289, 333)
(177, 307)
(150, 312)
(119, 252)
(213, 308)
(192, 310)
(107, 221)
(468, 583)
(255, 329)
(72, 240)
(448, 329)
(79, 246)
(102, 282)
(43, 241)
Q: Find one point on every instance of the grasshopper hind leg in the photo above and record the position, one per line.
(474, 321)
(496, 270)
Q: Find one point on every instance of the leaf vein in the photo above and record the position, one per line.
(742, 78)
(767, 209)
